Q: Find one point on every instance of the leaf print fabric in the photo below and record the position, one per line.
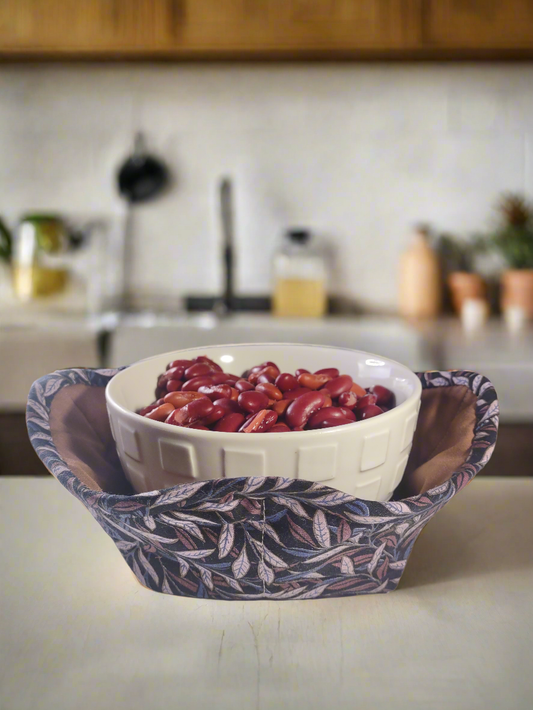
(262, 538)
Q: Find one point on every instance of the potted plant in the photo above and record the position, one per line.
(457, 257)
(513, 238)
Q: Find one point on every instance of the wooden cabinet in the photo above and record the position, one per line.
(193, 28)
(82, 27)
(471, 26)
(265, 28)
(298, 27)
(17, 457)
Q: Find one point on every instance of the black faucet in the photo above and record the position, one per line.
(225, 304)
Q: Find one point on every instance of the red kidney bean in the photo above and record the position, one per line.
(286, 382)
(200, 381)
(348, 414)
(301, 371)
(335, 421)
(217, 414)
(180, 399)
(215, 391)
(197, 425)
(260, 422)
(232, 379)
(175, 373)
(372, 410)
(384, 396)
(217, 378)
(199, 368)
(269, 363)
(270, 372)
(234, 394)
(228, 404)
(160, 392)
(298, 392)
(231, 422)
(278, 428)
(243, 386)
(208, 361)
(268, 379)
(325, 413)
(174, 385)
(159, 402)
(304, 407)
(193, 412)
(366, 400)
(253, 401)
(329, 371)
(179, 363)
(271, 391)
(281, 406)
(329, 401)
(347, 399)
(338, 385)
(314, 382)
(145, 410)
(357, 390)
(161, 413)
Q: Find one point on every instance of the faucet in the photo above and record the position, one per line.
(224, 305)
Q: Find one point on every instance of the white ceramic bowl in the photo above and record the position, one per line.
(366, 459)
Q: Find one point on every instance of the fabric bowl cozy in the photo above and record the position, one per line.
(262, 538)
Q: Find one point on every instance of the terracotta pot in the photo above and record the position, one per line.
(464, 285)
(517, 290)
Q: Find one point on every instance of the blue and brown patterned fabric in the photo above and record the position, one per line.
(262, 538)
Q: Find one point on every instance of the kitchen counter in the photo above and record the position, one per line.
(78, 631)
(30, 349)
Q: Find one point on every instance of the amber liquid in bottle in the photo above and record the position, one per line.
(304, 298)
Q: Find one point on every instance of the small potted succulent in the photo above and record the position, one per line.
(458, 257)
(513, 238)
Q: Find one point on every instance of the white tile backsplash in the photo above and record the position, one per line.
(358, 152)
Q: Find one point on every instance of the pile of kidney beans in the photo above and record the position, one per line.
(197, 394)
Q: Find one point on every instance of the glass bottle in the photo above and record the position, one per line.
(299, 275)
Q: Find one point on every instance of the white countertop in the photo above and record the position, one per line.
(78, 631)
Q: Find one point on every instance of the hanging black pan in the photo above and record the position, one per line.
(141, 178)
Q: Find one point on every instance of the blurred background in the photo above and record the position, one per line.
(177, 173)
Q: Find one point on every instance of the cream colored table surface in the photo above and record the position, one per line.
(77, 631)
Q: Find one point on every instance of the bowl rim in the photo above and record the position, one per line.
(199, 434)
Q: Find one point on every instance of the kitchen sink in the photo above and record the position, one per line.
(140, 336)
